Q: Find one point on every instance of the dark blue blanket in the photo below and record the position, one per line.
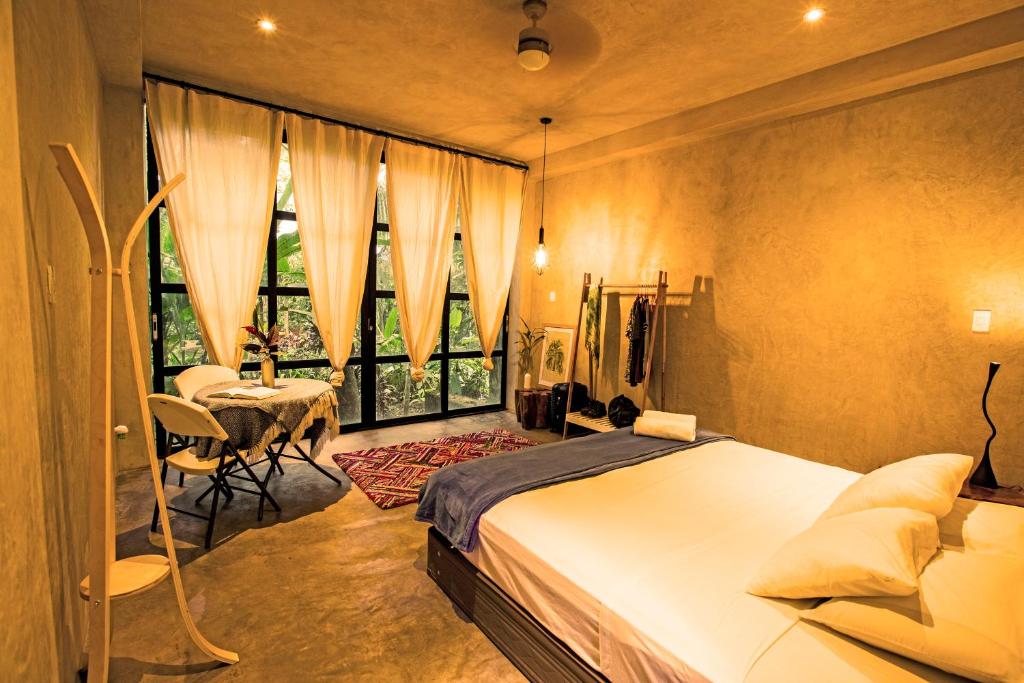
(454, 498)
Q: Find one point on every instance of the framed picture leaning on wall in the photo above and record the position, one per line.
(554, 356)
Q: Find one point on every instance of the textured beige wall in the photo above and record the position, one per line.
(846, 250)
(27, 645)
(123, 198)
(59, 98)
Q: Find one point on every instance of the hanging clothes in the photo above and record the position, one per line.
(636, 332)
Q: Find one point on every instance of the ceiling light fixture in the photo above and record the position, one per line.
(266, 25)
(813, 15)
(540, 255)
(534, 45)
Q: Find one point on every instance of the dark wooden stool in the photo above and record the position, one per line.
(532, 407)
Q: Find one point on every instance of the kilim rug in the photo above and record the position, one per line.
(391, 476)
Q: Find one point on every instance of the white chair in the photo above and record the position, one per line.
(188, 383)
(195, 378)
(192, 420)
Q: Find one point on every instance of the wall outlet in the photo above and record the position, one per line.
(551, 296)
(981, 321)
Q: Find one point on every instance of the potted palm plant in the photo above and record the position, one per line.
(528, 340)
(264, 346)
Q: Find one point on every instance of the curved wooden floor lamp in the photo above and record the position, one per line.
(109, 577)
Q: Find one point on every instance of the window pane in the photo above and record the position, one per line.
(470, 386)
(458, 274)
(300, 338)
(399, 396)
(291, 271)
(385, 276)
(183, 344)
(349, 407)
(462, 333)
(259, 318)
(169, 387)
(389, 333)
(389, 329)
(382, 195)
(170, 268)
(285, 195)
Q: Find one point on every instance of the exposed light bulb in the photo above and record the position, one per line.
(266, 25)
(540, 259)
(814, 14)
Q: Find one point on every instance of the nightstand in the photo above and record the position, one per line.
(1004, 495)
(532, 407)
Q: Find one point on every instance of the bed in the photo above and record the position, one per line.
(639, 574)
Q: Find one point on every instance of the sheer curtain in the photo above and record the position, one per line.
(335, 174)
(220, 216)
(421, 208)
(492, 206)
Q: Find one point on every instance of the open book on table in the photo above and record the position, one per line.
(253, 393)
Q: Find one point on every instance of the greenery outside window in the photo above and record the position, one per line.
(378, 389)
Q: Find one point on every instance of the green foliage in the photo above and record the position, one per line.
(554, 357)
(528, 340)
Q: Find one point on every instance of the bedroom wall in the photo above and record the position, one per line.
(123, 198)
(59, 98)
(842, 253)
(30, 649)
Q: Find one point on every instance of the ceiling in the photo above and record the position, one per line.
(446, 69)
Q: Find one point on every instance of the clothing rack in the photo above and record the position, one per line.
(661, 293)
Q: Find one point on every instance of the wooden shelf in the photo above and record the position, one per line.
(596, 424)
(132, 575)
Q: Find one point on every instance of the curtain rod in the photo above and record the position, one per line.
(376, 131)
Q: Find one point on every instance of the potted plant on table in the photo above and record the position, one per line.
(265, 346)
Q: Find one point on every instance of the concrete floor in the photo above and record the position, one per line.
(331, 588)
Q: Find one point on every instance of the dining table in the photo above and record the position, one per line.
(299, 408)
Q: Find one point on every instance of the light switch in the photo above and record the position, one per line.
(551, 296)
(981, 321)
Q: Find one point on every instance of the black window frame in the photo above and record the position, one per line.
(367, 360)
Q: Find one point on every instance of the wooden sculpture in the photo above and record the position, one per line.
(110, 578)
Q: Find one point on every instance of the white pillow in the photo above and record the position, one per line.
(929, 483)
(984, 527)
(967, 619)
(871, 552)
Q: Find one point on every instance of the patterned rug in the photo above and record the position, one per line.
(391, 476)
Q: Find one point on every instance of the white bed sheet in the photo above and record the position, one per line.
(641, 571)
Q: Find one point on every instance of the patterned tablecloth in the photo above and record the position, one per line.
(301, 405)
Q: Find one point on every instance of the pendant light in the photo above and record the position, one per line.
(540, 255)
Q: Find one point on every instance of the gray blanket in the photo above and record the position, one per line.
(454, 498)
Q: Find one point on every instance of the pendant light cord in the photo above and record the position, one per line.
(543, 181)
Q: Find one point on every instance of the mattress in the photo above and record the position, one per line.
(641, 571)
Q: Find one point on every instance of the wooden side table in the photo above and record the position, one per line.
(532, 407)
(1004, 495)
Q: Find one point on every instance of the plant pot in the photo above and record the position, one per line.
(267, 370)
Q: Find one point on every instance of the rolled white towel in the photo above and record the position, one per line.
(662, 415)
(683, 429)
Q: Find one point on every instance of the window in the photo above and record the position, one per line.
(378, 389)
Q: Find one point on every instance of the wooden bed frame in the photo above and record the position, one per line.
(534, 650)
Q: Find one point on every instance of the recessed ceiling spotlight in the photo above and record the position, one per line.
(266, 25)
(813, 15)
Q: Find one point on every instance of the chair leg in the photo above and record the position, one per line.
(181, 479)
(264, 493)
(213, 513)
(156, 507)
(319, 469)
